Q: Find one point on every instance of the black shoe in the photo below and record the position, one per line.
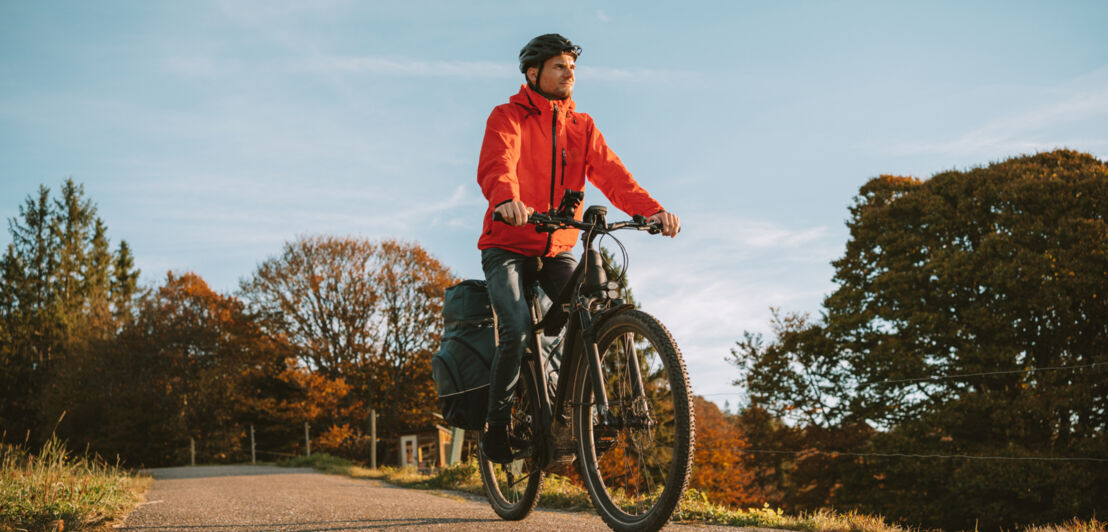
(495, 444)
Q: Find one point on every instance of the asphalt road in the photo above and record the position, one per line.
(247, 497)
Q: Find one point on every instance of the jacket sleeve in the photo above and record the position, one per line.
(606, 171)
(496, 167)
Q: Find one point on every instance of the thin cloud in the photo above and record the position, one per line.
(1012, 133)
(1026, 131)
(196, 67)
(720, 277)
(268, 12)
(633, 74)
(708, 311)
(728, 234)
(407, 67)
(340, 65)
(399, 67)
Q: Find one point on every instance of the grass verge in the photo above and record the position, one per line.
(560, 492)
(54, 489)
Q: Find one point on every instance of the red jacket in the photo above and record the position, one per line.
(522, 160)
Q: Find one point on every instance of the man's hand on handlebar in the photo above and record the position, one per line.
(514, 212)
(517, 213)
(671, 225)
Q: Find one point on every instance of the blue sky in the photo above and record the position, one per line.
(210, 132)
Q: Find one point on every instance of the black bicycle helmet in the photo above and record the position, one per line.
(543, 47)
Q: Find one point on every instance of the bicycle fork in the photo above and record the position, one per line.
(592, 357)
(636, 412)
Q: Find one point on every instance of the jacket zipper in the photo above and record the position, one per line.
(553, 154)
(563, 168)
(553, 171)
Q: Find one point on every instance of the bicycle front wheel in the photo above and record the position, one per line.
(636, 469)
(513, 488)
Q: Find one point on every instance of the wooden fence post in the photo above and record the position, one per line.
(372, 438)
(307, 440)
(192, 451)
(253, 456)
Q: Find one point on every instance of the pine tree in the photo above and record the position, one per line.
(56, 297)
(124, 282)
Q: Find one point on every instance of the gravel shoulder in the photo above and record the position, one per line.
(245, 497)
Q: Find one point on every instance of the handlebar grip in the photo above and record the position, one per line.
(497, 217)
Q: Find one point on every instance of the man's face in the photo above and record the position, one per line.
(557, 76)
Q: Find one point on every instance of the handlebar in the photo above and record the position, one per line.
(548, 223)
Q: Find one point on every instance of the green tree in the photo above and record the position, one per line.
(957, 298)
(124, 282)
(56, 296)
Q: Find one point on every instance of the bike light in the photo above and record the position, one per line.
(612, 290)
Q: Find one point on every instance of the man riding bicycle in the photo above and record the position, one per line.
(535, 147)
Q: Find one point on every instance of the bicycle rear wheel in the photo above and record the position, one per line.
(637, 469)
(513, 488)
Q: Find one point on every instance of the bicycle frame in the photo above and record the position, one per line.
(589, 299)
(575, 417)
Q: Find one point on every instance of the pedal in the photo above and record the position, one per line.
(604, 438)
(525, 453)
(565, 455)
(526, 450)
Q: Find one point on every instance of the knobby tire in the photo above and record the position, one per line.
(636, 474)
(514, 501)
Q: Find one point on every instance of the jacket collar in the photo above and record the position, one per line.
(527, 97)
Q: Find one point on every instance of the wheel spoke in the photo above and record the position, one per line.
(520, 480)
(513, 488)
(638, 472)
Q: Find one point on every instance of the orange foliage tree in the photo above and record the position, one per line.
(720, 470)
(364, 311)
(193, 364)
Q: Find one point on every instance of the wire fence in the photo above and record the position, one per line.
(809, 452)
(1029, 370)
(1002, 372)
(281, 441)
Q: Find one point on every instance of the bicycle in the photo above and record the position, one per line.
(621, 405)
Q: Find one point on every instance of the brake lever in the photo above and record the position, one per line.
(652, 228)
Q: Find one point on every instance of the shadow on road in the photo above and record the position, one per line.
(321, 526)
(223, 471)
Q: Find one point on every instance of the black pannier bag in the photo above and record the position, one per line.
(461, 368)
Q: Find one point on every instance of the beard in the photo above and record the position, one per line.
(558, 91)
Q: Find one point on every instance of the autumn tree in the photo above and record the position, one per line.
(195, 364)
(719, 468)
(365, 311)
(970, 319)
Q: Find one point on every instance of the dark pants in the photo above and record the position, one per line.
(504, 272)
